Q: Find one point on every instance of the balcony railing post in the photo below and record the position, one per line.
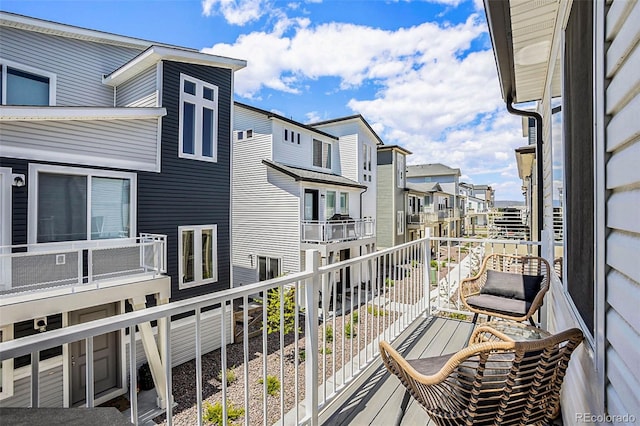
(311, 336)
(426, 269)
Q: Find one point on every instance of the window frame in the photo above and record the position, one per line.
(344, 196)
(400, 219)
(267, 262)
(323, 165)
(53, 79)
(197, 254)
(242, 135)
(36, 169)
(199, 103)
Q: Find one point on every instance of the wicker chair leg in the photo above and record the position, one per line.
(403, 407)
(533, 323)
(475, 318)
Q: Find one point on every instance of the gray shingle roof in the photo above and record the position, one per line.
(436, 169)
(313, 176)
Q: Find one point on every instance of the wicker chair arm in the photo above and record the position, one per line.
(484, 334)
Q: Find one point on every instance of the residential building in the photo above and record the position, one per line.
(578, 62)
(298, 187)
(449, 179)
(116, 192)
(392, 200)
(474, 209)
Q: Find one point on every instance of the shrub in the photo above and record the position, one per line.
(273, 385)
(434, 263)
(349, 330)
(354, 317)
(328, 334)
(231, 376)
(414, 263)
(273, 310)
(375, 311)
(302, 355)
(389, 282)
(326, 350)
(213, 413)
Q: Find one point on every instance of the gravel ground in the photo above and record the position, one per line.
(184, 387)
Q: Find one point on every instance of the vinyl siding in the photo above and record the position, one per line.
(189, 192)
(76, 85)
(623, 230)
(126, 144)
(51, 389)
(140, 91)
(266, 203)
(386, 210)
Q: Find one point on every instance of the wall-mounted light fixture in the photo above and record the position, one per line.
(18, 180)
(40, 324)
(251, 259)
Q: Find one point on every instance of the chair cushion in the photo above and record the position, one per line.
(511, 285)
(500, 304)
(431, 365)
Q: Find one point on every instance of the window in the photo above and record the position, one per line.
(24, 85)
(344, 203)
(75, 204)
(198, 119)
(245, 134)
(366, 157)
(268, 268)
(577, 117)
(198, 248)
(400, 222)
(321, 154)
(330, 204)
(400, 164)
(6, 367)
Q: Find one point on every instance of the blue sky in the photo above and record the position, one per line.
(421, 72)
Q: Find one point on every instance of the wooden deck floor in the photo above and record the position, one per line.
(375, 398)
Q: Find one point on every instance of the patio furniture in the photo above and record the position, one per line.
(497, 381)
(516, 331)
(509, 287)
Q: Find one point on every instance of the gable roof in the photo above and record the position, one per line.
(273, 115)
(358, 117)
(306, 175)
(424, 187)
(394, 147)
(436, 169)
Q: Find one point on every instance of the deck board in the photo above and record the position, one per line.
(377, 396)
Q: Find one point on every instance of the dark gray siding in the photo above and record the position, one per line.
(18, 200)
(189, 192)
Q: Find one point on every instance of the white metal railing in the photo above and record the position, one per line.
(421, 218)
(314, 231)
(334, 316)
(34, 267)
(454, 259)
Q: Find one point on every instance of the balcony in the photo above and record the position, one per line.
(27, 270)
(323, 353)
(336, 231)
(423, 218)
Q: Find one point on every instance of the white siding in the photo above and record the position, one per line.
(140, 91)
(266, 203)
(623, 180)
(130, 144)
(76, 85)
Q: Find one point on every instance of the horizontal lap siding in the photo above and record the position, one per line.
(51, 389)
(623, 182)
(140, 91)
(189, 192)
(76, 85)
(266, 204)
(129, 144)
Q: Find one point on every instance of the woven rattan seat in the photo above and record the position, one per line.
(494, 381)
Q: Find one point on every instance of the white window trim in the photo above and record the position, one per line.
(244, 134)
(36, 169)
(199, 102)
(7, 365)
(346, 202)
(330, 156)
(53, 79)
(197, 253)
(400, 218)
(257, 267)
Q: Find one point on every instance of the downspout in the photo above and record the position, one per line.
(539, 165)
(366, 188)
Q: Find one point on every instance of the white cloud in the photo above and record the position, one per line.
(236, 12)
(433, 95)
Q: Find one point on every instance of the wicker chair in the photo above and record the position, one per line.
(495, 382)
(509, 287)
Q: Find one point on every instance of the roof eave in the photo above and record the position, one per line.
(499, 21)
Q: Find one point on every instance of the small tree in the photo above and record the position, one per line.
(213, 413)
(273, 310)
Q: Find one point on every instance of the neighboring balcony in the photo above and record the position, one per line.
(335, 231)
(80, 265)
(423, 218)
